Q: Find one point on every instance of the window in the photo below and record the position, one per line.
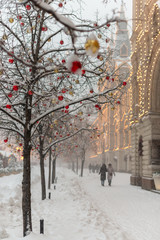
(124, 51)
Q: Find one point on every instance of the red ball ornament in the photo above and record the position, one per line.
(63, 90)
(44, 29)
(66, 111)
(91, 91)
(112, 79)
(20, 144)
(63, 61)
(107, 77)
(10, 95)
(8, 106)
(118, 102)
(83, 71)
(28, 7)
(11, 60)
(75, 66)
(6, 140)
(67, 106)
(61, 42)
(60, 5)
(22, 23)
(19, 17)
(60, 98)
(108, 24)
(15, 88)
(30, 92)
(96, 106)
(124, 83)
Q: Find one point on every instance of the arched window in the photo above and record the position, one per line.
(124, 51)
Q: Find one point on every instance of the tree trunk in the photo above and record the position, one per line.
(26, 182)
(54, 170)
(77, 166)
(83, 160)
(49, 170)
(82, 165)
(73, 166)
(43, 183)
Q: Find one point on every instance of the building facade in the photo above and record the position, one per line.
(114, 143)
(145, 88)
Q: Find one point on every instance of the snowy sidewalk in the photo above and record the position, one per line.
(81, 209)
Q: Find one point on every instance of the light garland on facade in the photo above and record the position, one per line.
(144, 51)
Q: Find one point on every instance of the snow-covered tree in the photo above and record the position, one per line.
(50, 62)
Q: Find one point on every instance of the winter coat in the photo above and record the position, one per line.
(102, 172)
(110, 172)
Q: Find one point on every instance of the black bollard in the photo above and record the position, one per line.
(42, 226)
(49, 196)
(54, 187)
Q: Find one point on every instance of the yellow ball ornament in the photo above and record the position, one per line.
(4, 37)
(92, 45)
(11, 20)
(77, 81)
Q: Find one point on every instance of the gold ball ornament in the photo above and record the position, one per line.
(53, 100)
(56, 70)
(77, 81)
(92, 45)
(55, 122)
(80, 113)
(11, 20)
(4, 37)
(71, 93)
(99, 36)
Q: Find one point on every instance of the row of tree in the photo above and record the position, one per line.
(51, 62)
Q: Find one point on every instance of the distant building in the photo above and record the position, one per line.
(114, 142)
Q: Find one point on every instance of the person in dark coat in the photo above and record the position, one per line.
(110, 174)
(102, 173)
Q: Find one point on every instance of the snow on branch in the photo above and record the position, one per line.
(12, 117)
(65, 138)
(66, 21)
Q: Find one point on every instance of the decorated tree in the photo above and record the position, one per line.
(50, 62)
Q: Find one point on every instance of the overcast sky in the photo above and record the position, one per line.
(93, 5)
(90, 8)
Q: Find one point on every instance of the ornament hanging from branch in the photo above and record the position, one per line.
(74, 65)
(92, 46)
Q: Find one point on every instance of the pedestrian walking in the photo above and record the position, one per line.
(90, 168)
(102, 173)
(110, 174)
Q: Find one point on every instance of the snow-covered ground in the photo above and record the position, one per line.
(81, 209)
